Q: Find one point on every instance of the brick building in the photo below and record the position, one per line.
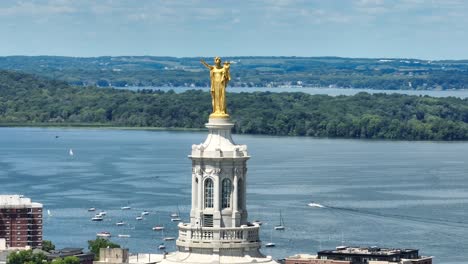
(20, 222)
(312, 259)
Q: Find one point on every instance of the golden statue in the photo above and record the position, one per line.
(220, 77)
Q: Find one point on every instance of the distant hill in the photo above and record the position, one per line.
(383, 73)
(28, 100)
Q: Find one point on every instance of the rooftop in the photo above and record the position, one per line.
(17, 201)
(368, 251)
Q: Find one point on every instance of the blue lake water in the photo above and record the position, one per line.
(382, 193)
(462, 93)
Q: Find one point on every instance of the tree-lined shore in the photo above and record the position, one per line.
(30, 100)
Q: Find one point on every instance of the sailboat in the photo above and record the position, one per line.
(167, 238)
(175, 216)
(281, 223)
(270, 244)
(158, 227)
(127, 207)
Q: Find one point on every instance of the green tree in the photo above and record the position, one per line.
(95, 245)
(26, 256)
(66, 260)
(47, 245)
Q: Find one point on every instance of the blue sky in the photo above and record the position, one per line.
(426, 29)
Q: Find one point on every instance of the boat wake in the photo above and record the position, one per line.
(419, 219)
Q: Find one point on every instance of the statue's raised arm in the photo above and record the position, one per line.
(220, 77)
(206, 64)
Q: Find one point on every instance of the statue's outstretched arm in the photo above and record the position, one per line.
(206, 64)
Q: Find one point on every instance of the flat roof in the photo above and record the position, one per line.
(17, 201)
(367, 251)
(302, 256)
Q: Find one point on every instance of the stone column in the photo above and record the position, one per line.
(199, 209)
(216, 203)
(194, 190)
(235, 210)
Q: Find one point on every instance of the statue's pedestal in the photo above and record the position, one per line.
(218, 231)
(219, 116)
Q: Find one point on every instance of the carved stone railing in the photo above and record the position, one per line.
(216, 237)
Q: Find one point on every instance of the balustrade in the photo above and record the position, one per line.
(205, 234)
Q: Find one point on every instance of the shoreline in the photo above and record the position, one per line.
(96, 126)
(111, 127)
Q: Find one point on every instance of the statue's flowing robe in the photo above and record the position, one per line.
(219, 80)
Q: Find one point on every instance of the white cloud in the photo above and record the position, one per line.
(51, 7)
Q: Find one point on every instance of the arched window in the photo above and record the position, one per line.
(227, 189)
(208, 193)
(240, 192)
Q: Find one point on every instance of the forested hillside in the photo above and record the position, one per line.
(30, 100)
(390, 74)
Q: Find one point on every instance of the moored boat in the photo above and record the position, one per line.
(97, 218)
(281, 224)
(103, 234)
(158, 228)
(176, 219)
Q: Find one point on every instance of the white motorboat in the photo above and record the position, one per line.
(103, 213)
(270, 244)
(99, 215)
(120, 223)
(123, 235)
(139, 218)
(126, 207)
(169, 238)
(70, 152)
(158, 228)
(103, 234)
(162, 246)
(258, 222)
(145, 213)
(176, 219)
(312, 204)
(97, 218)
(91, 209)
